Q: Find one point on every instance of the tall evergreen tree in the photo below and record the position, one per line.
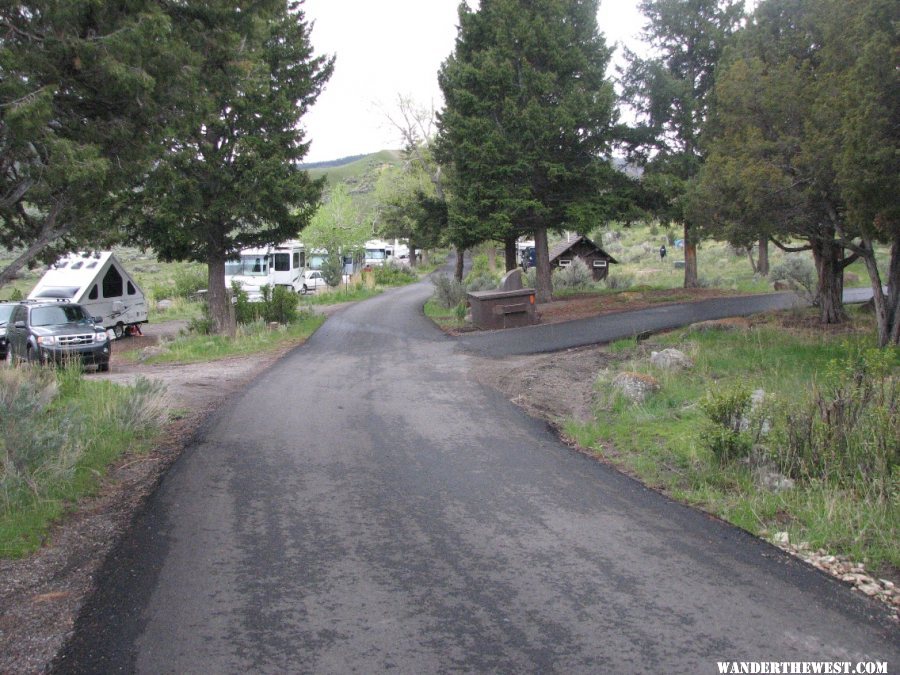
(804, 140)
(229, 177)
(527, 119)
(84, 89)
(670, 92)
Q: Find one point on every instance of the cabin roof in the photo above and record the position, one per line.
(565, 246)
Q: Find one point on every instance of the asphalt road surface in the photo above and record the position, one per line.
(366, 507)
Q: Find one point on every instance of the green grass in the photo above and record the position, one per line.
(250, 339)
(60, 449)
(446, 319)
(662, 440)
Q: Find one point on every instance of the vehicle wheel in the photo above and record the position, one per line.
(31, 357)
(119, 330)
(102, 367)
(304, 290)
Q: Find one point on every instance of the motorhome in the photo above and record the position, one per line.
(98, 282)
(280, 265)
(379, 252)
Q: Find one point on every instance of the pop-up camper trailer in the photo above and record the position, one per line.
(98, 282)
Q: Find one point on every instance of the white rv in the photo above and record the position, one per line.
(98, 282)
(379, 252)
(281, 265)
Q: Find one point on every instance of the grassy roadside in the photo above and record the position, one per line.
(60, 435)
(250, 339)
(829, 421)
(446, 319)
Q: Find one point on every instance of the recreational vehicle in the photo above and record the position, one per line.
(281, 265)
(98, 282)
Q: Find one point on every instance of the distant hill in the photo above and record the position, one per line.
(353, 170)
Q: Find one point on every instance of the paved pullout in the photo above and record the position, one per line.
(365, 506)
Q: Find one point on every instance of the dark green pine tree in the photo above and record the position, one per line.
(84, 88)
(527, 121)
(230, 178)
(670, 92)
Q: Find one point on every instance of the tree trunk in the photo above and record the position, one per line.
(412, 253)
(690, 259)
(47, 236)
(221, 312)
(491, 256)
(828, 256)
(509, 249)
(543, 283)
(752, 261)
(762, 266)
(887, 306)
(893, 299)
(460, 252)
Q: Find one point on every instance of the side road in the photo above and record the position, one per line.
(607, 328)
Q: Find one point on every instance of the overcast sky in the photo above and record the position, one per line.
(393, 47)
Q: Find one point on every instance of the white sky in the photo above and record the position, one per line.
(385, 48)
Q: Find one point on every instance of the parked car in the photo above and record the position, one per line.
(6, 309)
(312, 281)
(54, 332)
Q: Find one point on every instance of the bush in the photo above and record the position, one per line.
(448, 292)
(576, 275)
(482, 282)
(847, 431)
(186, 281)
(726, 432)
(392, 274)
(799, 274)
(619, 281)
(278, 304)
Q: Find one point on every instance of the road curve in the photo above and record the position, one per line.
(364, 506)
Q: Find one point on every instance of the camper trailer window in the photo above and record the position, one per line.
(296, 260)
(282, 262)
(58, 292)
(56, 315)
(131, 289)
(77, 265)
(112, 283)
(91, 265)
(94, 294)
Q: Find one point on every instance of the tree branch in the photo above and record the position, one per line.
(790, 249)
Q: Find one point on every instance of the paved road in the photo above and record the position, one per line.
(365, 507)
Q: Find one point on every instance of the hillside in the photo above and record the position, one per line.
(358, 173)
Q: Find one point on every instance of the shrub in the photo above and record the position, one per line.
(619, 281)
(482, 282)
(185, 283)
(847, 430)
(799, 274)
(278, 304)
(392, 274)
(530, 277)
(448, 292)
(726, 432)
(576, 275)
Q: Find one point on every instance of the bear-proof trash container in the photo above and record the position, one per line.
(502, 309)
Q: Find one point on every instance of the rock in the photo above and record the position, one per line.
(781, 538)
(163, 305)
(781, 286)
(773, 481)
(671, 359)
(512, 280)
(870, 589)
(636, 387)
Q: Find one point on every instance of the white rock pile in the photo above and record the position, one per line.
(844, 569)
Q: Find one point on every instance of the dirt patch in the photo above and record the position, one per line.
(583, 306)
